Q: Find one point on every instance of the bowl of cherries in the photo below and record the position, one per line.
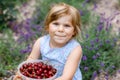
(37, 70)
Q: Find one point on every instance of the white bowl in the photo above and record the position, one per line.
(32, 61)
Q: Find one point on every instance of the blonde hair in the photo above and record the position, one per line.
(62, 9)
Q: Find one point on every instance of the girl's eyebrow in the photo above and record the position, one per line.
(54, 21)
(68, 23)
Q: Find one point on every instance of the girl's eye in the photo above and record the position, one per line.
(55, 23)
(67, 25)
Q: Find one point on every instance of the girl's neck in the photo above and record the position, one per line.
(55, 45)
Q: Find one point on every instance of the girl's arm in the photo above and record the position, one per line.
(71, 64)
(35, 53)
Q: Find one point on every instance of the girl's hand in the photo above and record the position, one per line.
(17, 77)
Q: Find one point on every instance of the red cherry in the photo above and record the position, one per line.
(37, 70)
(49, 67)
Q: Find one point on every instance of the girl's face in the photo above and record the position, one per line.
(61, 31)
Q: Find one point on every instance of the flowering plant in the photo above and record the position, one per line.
(100, 51)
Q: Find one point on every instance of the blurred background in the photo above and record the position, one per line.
(22, 22)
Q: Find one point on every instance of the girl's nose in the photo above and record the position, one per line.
(60, 28)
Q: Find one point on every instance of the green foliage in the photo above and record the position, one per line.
(8, 12)
(100, 51)
(9, 53)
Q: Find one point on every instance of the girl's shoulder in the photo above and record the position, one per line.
(71, 45)
(74, 42)
(43, 37)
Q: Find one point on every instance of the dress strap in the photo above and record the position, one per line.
(72, 44)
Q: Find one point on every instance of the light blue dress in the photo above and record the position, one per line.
(58, 56)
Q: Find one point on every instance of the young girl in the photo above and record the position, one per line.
(59, 46)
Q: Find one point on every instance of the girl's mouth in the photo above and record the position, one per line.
(61, 37)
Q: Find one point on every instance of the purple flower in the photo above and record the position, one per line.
(98, 54)
(115, 39)
(27, 36)
(92, 42)
(100, 27)
(16, 27)
(23, 51)
(85, 68)
(28, 21)
(94, 57)
(107, 41)
(92, 45)
(119, 70)
(38, 27)
(113, 67)
(108, 26)
(94, 75)
(81, 12)
(84, 58)
(25, 4)
(95, 6)
(100, 44)
(108, 23)
(100, 71)
(87, 36)
(106, 76)
(26, 50)
(112, 45)
(90, 48)
(87, 47)
(102, 64)
(97, 40)
(96, 48)
(82, 46)
(87, 1)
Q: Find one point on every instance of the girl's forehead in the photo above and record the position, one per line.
(64, 18)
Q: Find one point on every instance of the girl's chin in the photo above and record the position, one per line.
(60, 41)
